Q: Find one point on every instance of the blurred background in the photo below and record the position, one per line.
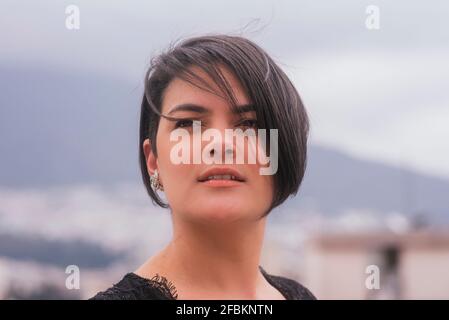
(373, 75)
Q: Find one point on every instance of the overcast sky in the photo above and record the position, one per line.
(378, 94)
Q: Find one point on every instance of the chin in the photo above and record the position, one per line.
(221, 211)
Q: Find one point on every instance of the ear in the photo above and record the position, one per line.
(150, 158)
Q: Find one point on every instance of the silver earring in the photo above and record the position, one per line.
(156, 182)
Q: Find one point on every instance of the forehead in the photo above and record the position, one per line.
(180, 91)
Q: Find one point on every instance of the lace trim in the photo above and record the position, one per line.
(165, 286)
(133, 286)
(290, 289)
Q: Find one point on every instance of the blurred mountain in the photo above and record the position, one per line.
(64, 128)
(335, 182)
(60, 253)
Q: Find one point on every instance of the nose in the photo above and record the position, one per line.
(223, 147)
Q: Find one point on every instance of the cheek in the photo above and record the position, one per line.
(262, 186)
(176, 178)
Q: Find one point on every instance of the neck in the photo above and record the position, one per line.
(224, 258)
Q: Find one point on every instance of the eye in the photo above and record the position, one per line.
(184, 123)
(249, 123)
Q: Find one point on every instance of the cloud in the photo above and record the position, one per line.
(385, 105)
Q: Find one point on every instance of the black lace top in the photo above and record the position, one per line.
(134, 287)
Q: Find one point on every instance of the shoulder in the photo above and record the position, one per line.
(291, 289)
(134, 287)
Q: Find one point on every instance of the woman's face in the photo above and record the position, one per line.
(217, 200)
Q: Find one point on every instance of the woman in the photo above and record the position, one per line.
(219, 211)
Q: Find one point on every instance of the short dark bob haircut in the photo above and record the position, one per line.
(276, 101)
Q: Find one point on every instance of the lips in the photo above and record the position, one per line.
(221, 174)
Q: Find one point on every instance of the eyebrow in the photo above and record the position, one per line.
(201, 109)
